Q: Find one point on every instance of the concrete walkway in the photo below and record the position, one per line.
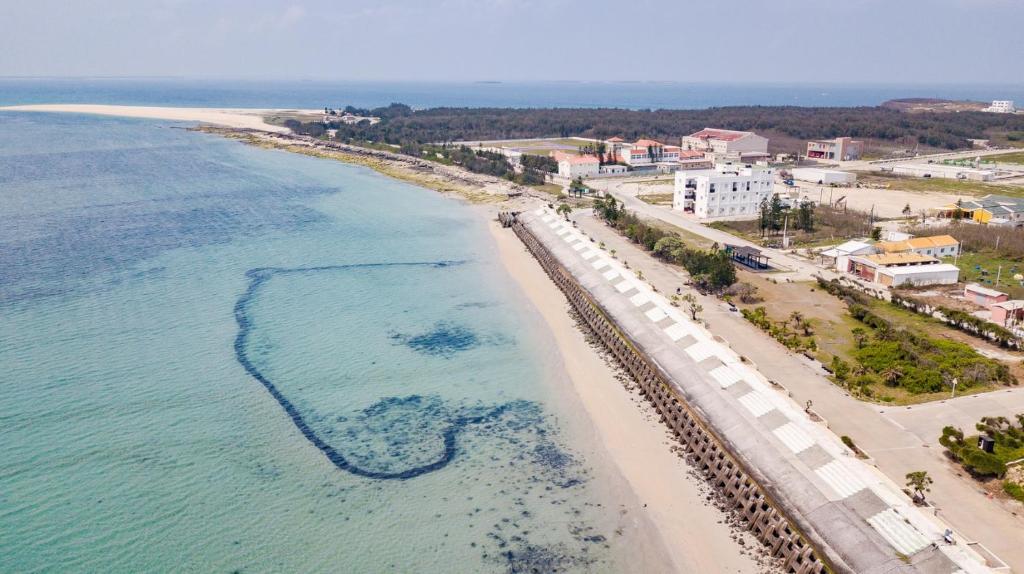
(896, 438)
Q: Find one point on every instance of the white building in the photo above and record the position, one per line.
(919, 275)
(747, 146)
(824, 176)
(648, 152)
(944, 171)
(725, 192)
(838, 149)
(839, 255)
(573, 166)
(1001, 107)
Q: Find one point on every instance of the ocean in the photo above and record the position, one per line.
(317, 94)
(219, 358)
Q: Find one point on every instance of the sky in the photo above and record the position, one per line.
(842, 41)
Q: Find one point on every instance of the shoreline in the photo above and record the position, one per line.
(228, 117)
(675, 504)
(673, 508)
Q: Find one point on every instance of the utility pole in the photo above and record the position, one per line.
(999, 272)
(953, 394)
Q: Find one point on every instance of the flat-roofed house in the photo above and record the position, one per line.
(934, 246)
(839, 255)
(839, 149)
(746, 146)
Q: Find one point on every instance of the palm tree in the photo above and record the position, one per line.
(796, 317)
(891, 376)
(565, 210)
(860, 337)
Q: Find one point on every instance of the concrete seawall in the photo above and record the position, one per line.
(793, 484)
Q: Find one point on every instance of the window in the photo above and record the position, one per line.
(748, 186)
(734, 186)
(712, 189)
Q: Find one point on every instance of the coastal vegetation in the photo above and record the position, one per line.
(787, 126)
(1003, 463)
(711, 270)
(889, 356)
(533, 172)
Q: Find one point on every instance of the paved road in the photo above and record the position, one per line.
(899, 440)
(797, 268)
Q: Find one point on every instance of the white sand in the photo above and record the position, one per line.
(233, 118)
(692, 531)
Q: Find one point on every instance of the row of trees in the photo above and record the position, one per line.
(772, 216)
(400, 123)
(711, 271)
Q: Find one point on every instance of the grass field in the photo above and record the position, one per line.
(983, 268)
(1016, 157)
(833, 328)
(656, 198)
(950, 186)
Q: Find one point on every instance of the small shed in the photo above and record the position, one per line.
(749, 256)
(983, 295)
(1007, 313)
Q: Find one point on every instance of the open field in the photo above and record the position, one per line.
(941, 185)
(1015, 157)
(833, 331)
(536, 146)
(983, 267)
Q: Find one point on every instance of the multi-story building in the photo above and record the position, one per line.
(725, 192)
(839, 149)
(1001, 107)
(649, 152)
(728, 144)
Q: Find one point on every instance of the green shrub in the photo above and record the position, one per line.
(1013, 489)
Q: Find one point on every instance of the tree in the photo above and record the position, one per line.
(906, 209)
(565, 210)
(805, 216)
(764, 216)
(840, 368)
(876, 233)
(796, 317)
(692, 306)
(919, 483)
(891, 376)
(860, 336)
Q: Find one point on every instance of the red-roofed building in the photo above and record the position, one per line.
(728, 144)
(647, 152)
(572, 165)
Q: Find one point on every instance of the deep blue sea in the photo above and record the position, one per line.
(317, 94)
(218, 358)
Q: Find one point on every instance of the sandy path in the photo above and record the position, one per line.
(234, 118)
(693, 531)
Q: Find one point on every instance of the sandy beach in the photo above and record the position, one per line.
(694, 532)
(232, 118)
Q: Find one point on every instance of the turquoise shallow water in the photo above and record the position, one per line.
(216, 358)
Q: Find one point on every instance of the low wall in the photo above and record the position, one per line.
(745, 497)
